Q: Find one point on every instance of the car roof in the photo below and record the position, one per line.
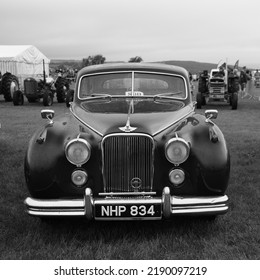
(130, 66)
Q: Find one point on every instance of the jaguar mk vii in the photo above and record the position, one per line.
(131, 147)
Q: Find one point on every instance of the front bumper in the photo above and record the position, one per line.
(169, 205)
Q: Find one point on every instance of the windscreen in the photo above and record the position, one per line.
(133, 84)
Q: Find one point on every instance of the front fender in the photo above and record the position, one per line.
(211, 153)
(208, 166)
(47, 169)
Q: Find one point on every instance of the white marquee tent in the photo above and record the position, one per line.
(23, 61)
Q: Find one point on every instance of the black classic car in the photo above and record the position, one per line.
(131, 147)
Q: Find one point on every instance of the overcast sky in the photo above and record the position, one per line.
(156, 30)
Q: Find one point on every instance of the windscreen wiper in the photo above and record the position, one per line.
(166, 95)
(94, 96)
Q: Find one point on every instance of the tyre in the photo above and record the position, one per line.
(62, 87)
(18, 98)
(199, 100)
(234, 101)
(9, 85)
(69, 97)
(47, 98)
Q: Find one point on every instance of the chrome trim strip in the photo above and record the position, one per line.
(90, 127)
(130, 201)
(175, 121)
(39, 213)
(127, 194)
(54, 203)
(207, 211)
(184, 201)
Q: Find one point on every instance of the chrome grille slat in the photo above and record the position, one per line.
(127, 156)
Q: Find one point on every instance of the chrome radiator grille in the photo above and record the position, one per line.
(125, 157)
(217, 87)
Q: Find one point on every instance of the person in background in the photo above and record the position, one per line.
(243, 81)
(257, 73)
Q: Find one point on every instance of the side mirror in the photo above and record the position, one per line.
(48, 114)
(211, 114)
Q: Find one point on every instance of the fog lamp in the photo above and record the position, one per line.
(176, 176)
(79, 177)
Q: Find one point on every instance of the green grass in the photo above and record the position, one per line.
(235, 235)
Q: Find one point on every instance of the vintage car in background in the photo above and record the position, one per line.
(131, 147)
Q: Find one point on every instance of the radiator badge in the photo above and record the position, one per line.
(136, 184)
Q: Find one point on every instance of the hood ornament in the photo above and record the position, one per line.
(128, 127)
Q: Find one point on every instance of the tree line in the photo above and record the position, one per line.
(100, 59)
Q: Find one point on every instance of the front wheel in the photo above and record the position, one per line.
(47, 98)
(18, 98)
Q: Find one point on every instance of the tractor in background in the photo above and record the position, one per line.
(34, 90)
(220, 85)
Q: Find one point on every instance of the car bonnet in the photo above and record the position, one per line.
(144, 116)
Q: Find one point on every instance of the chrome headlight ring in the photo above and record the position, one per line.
(78, 151)
(177, 150)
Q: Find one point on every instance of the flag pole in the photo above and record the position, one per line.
(226, 76)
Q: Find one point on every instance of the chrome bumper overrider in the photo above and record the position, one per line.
(170, 205)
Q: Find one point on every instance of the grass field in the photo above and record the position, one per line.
(235, 235)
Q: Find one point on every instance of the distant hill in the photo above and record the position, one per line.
(69, 63)
(191, 66)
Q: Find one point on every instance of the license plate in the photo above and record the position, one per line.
(132, 211)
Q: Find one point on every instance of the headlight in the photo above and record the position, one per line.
(177, 150)
(78, 151)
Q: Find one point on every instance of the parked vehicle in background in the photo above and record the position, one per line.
(34, 90)
(8, 85)
(256, 76)
(64, 81)
(132, 148)
(220, 85)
